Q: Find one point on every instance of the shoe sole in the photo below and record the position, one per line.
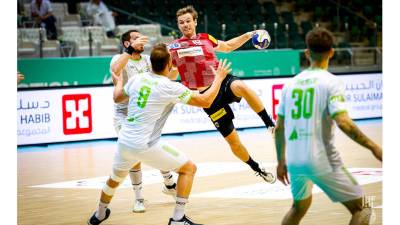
(169, 193)
(166, 192)
(138, 211)
(273, 181)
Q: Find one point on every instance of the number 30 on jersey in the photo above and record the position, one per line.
(303, 102)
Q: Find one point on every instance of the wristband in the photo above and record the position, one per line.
(130, 50)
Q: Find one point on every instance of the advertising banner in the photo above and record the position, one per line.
(72, 114)
(262, 63)
(364, 95)
(56, 72)
(59, 115)
(78, 71)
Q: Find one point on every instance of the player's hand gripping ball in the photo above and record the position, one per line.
(261, 39)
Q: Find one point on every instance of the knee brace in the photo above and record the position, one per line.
(109, 190)
(118, 175)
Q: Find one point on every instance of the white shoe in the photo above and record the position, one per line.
(169, 190)
(138, 206)
(267, 176)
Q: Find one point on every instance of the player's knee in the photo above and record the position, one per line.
(298, 212)
(357, 208)
(301, 207)
(238, 88)
(110, 187)
(188, 168)
(241, 88)
(113, 182)
(191, 168)
(233, 141)
(137, 166)
(354, 206)
(118, 175)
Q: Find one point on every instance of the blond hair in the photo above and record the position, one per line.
(188, 9)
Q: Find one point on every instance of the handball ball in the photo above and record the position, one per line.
(261, 39)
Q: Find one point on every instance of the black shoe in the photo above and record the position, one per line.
(267, 176)
(94, 221)
(169, 190)
(183, 221)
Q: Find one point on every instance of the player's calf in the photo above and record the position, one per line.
(108, 191)
(297, 211)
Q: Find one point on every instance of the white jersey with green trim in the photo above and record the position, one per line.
(132, 68)
(151, 99)
(309, 103)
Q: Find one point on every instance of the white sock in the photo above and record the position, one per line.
(101, 211)
(168, 178)
(136, 179)
(179, 211)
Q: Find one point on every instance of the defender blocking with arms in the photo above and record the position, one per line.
(129, 64)
(152, 97)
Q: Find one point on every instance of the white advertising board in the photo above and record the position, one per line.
(73, 114)
(58, 115)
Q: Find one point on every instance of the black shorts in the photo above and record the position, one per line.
(220, 112)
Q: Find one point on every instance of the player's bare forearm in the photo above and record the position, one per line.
(206, 99)
(234, 43)
(346, 124)
(280, 145)
(280, 140)
(212, 92)
(120, 63)
(118, 94)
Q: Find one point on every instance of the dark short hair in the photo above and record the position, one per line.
(127, 36)
(188, 9)
(319, 40)
(159, 57)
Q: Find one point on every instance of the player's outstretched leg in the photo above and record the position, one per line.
(297, 212)
(240, 151)
(107, 193)
(184, 186)
(240, 89)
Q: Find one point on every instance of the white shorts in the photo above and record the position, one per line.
(339, 185)
(160, 156)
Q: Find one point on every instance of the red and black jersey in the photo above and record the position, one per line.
(193, 57)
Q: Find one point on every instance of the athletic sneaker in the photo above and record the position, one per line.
(94, 221)
(267, 176)
(169, 190)
(138, 206)
(183, 221)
